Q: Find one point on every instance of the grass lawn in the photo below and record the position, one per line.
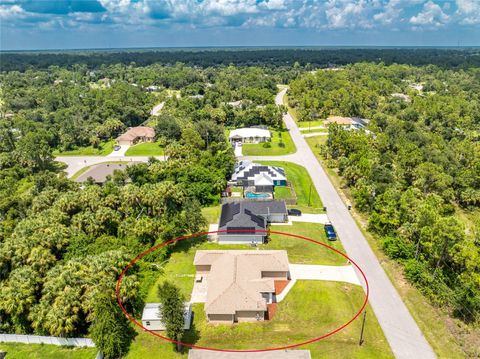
(304, 125)
(46, 351)
(302, 185)
(317, 130)
(305, 252)
(145, 149)
(311, 308)
(283, 192)
(211, 214)
(257, 149)
(103, 149)
(433, 322)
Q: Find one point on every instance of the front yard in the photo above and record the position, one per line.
(280, 144)
(145, 149)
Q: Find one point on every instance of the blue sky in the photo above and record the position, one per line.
(67, 24)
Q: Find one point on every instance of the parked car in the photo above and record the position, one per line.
(294, 212)
(330, 232)
(116, 148)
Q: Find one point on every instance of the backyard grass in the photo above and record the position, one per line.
(258, 149)
(103, 149)
(311, 308)
(434, 324)
(283, 192)
(46, 351)
(145, 149)
(302, 185)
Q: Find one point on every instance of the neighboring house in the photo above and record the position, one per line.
(249, 135)
(241, 284)
(101, 171)
(276, 354)
(241, 220)
(137, 134)
(348, 122)
(152, 320)
(264, 178)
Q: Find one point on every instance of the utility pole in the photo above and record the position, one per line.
(363, 327)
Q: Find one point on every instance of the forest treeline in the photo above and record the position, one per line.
(79, 107)
(448, 58)
(415, 170)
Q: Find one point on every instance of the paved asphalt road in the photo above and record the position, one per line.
(401, 330)
(76, 163)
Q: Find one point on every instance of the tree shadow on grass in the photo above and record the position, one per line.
(190, 336)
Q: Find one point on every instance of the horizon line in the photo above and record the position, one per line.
(255, 47)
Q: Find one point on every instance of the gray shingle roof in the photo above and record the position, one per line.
(249, 214)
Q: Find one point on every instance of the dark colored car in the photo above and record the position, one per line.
(116, 148)
(330, 232)
(294, 212)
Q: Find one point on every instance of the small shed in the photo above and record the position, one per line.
(152, 320)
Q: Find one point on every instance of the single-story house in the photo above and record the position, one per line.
(241, 283)
(276, 354)
(152, 320)
(137, 134)
(263, 177)
(348, 122)
(249, 135)
(243, 218)
(101, 171)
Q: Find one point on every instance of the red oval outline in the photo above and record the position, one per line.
(343, 326)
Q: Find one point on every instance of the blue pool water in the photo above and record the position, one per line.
(256, 195)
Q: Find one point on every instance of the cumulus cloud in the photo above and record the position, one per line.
(347, 14)
(468, 12)
(431, 15)
(312, 14)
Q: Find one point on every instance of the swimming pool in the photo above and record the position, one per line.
(256, 195)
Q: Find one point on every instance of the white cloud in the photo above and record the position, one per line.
(431, 16)
(11, 12)
(348, 14)
(468, 12)
(391, 13)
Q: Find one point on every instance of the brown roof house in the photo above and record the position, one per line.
(135, 135)
(240, 283)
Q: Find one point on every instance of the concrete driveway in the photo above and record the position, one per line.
(238, 150)
(320, 272)
(120, 153)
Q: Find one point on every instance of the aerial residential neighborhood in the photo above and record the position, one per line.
(236, 179)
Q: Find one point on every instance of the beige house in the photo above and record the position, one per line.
(240, 283)
(135, 135)
(348, 122)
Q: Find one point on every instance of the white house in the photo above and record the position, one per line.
(152, 320)
(249, 135)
